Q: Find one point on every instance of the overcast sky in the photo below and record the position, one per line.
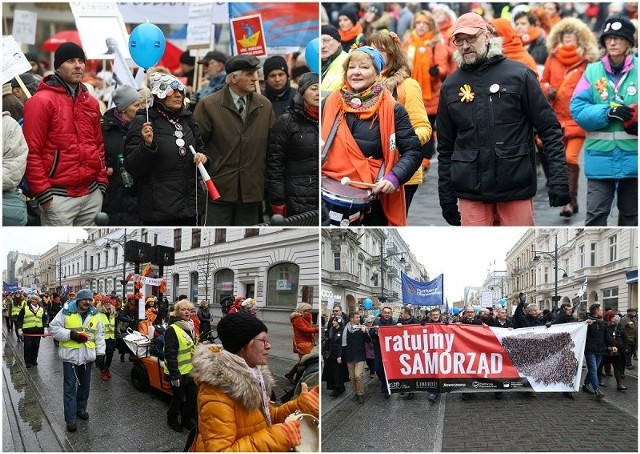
(36, 240)
(464, 255)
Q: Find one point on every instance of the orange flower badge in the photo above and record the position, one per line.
(466, 95)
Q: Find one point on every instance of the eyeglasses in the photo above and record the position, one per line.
(469, 39)
(611, 38)
(264, 340)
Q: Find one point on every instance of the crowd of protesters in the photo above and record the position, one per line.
(90, 146)
(611, 342)
(576, 91)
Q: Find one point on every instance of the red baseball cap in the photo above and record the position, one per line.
(469, 24)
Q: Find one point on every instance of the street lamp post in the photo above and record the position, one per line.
(553, 254)
(124, 262)
(59, 273)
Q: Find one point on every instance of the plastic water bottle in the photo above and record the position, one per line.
(127, 179)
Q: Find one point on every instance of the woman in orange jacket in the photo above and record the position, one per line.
(571, 46)
(429, 59)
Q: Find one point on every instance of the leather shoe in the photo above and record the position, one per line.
(568, 395)
(35, 363)
(83, 415)
(361, 399)
(188, 425)
(72, 426)
(622, 388)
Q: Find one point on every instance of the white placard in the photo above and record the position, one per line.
(24, 26)
(199, 27)
(13, 60)
(97, 22)
(487, 299)
(167, 13)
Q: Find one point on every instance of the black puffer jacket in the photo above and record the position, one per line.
(166, 181)
(280, 100)
(538, 50)
(486, 147)
(119, 202)
(367, 135)
(292, 161)
(599, 338)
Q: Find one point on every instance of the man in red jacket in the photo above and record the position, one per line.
(66, 169)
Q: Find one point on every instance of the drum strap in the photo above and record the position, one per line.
(332, 135)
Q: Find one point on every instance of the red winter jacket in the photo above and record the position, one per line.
(303, 329)
(66, 149)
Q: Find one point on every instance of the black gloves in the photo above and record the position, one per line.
(434, 70)
(551, 93)
(451, 214)
(622, 113)
(559, 195)
(100, 362)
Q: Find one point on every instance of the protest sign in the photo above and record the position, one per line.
(475, 358)
(199, 27)
(24, 26)
(248, 36)
(13, 60)
(98, 22)
(422, 293)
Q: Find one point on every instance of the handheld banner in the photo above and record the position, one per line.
(248, 36)
(419, 293)
(473, 358)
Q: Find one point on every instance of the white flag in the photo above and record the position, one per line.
(582, 289)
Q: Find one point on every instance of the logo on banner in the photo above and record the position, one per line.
(248, 36)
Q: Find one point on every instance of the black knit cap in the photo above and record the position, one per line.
(350, 12)
(331, 31)
(67, 51)
(236, 330)
(273, 63)
(618, 26)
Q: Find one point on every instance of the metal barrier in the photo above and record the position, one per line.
(308, 219)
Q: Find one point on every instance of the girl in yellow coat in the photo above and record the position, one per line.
(234, 385)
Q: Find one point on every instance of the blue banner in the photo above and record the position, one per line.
(8, 287)
(422, 293)
(290, 25)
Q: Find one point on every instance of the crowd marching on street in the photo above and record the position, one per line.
(210, 367)
(496, 92)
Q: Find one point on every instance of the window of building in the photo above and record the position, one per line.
(251, 232)
(593, 254)
(144, 235)
(177, 239)
(194, 287)
(610, 298)
(222, 284)
(98, 257)
(282, 285)
(581, 256)
(91, 263)
(195, 238)
(336, 261)
(613, 248)
(221, 236)
(85, 260)
(115, 256)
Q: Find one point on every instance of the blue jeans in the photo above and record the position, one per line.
(593, 362)
(75, 400)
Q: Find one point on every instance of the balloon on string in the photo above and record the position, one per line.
(312, 55)
(376, 312)
(146, 45)
(367, 303)
(502, 302)
(476, 309)
(456, 310)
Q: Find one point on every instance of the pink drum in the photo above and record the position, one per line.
(346, 205)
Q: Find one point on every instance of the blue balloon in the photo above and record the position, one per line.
(146, 45)
(376, 312)
(456, 310)
(367, 303)
(476, 309)
(312, 55)
(502, 302)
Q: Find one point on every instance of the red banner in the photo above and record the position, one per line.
(446, 358)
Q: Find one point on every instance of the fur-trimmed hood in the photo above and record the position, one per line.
(391, 83)
(214, 366)
(495, 48)
(587, 44)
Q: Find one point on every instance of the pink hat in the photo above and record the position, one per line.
(469, 24)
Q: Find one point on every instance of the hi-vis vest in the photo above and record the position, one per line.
(186, 348)
(15, 310)
(32, 320)
(109, 323)
(74, 322)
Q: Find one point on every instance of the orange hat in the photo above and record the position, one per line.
(469, 24)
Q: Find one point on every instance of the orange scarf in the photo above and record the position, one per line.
(344, 157)
(422, 50)
(531, 36)
(350, 34)
(567, 55)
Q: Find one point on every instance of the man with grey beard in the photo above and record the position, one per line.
(487, 115)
